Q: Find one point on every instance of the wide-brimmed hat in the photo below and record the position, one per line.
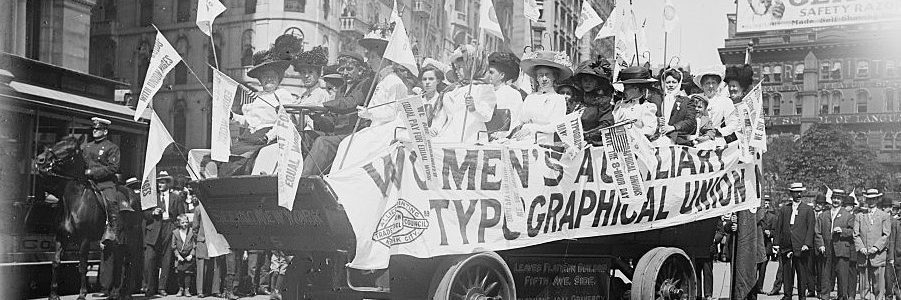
(635, 75)
(557, 60)
(377, 38)
(872, 193)
(315, 58)
(277, 58)
(163, 175)
(132, 182)
(569, 84)
(716, 70)
(330, 74)
(599, 68)
(797, 187)
(100, 123)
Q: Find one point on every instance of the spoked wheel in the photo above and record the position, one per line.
(482, 276)
(664, 273)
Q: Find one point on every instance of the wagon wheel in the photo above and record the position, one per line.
(664, 273)
(482, 276)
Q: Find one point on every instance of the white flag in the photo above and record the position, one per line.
(162, 60)
(394, 15)
(670, 19)
(157, 140)
(570, 132)
(488, 19)
(399, 50)
(148, 190)
(224, 89)
(216, 245)
(754, 100)
(207, 11)
(531, 10)
(588, 19)
(609, 28)
(290, 161)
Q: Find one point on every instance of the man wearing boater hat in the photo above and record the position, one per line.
(827, 232)
(871, 230)
(795, 239)
(101, 157)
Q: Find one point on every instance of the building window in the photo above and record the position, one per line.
(863, 68)
(898, 140)
(250, 6)
(296, 5)
(767, 74)
(247, 48)
(863, 97)
(836, 102)
(326, 8)
(799, 72)
(183, 9)
(825, 69)
(889, 100)
(777, 73)
(146, 12)
(837, 70)
(824, 103)
(180, 70)
(888, 141)
(890, 69)
(777, 104)
(799, 104)
(789, 75)
(180, 121)
(460, 5)
(766, 104)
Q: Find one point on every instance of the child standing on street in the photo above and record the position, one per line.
(183, 244)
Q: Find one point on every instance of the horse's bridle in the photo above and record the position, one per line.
(53, 160)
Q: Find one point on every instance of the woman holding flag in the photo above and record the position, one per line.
(465, 108)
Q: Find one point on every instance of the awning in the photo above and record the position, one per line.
(74, 102)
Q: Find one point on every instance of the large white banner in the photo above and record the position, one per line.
(158, 139)
(290, 160)
(162, 60)
(224, 89)
(758, 15)
(392, 211)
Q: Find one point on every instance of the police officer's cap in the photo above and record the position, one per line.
(100, 123)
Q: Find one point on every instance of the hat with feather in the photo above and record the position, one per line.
(315, 58)
(377, 38)
(551, 59)
(278, 57)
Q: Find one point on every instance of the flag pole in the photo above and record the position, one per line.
(369, 94)
(187, 66)
(213, 47)
(665, 35)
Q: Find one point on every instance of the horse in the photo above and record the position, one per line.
(81, 218)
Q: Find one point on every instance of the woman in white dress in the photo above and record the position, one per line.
(503, 70)
(465, 109)
(720, 108)
(634, 106)
(432, 81)
(545, 108)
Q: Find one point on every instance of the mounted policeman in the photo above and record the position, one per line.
(101, 158)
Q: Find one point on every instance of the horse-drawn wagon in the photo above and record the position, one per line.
(579, 240)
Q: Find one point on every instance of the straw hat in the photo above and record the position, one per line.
(717, 70)
(557, 60)
(797, 187)
(163, 175)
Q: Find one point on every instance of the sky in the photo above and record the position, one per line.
(702, 28)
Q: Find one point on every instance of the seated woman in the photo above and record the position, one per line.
(677, 119)
(573, 96)
(635, 106)
(471, 102)
(720, 108)
(503, 71)
(594, 77)
(432, 81)
(543, 109)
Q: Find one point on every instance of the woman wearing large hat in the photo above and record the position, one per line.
(465, 108)
(636, 83)
(594, 78)
(544, 108)
(720, 108)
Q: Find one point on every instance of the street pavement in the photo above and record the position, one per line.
(720, 286)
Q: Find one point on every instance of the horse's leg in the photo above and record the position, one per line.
(83, 268)
(57, 252)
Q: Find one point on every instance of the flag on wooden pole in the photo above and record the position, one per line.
(488, 19)
(531, 10)
(207, 11)
(399, 49)
(162, 60)
(588, 19)
(158, 139)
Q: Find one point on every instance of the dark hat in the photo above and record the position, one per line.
(557, 60)
(377, 38)
(505, 62)
(315, 58)
(277, 58)
(885, 202)
(330, 74)
(599, 68)
(635, 75)
(569, 84)
(100, 123)
(846, 200)
(352, 55)
(744, 74)
(821, 199)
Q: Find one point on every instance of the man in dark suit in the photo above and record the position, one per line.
(678, 114)
(795, 234)
(843, 244)
(824, 240)
(766, 221)
(160, 221)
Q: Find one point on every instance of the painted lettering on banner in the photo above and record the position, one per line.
(415, 119)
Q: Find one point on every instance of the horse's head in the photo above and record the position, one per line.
(60, 154)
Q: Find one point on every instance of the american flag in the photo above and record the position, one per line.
(618, 138)
(244, 95)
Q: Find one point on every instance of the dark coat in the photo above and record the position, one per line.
(894, 242)
(154, 223)
(183, 248)
(684, 118)
(792, 237)
(767, 222)
(824, 232)
(341, 120)
(843, 243)
(102, 161)
(200, 247)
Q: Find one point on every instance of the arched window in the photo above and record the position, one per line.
(824, 103)
(766, 104)
(181, 71)
(247, 48)
(889, 99)
(861, 138)
(863, 68)
(146, 12)
(250, 6)
(888, 141)
(777, 73)
(837, 70)
(767, 74)
(777, 104)
(836, 102)
(863, 97)
(789, 75)
(183, 11)
(799, 72)
(799, 104)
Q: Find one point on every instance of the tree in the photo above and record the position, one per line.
(827, 155)
(775, 162)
